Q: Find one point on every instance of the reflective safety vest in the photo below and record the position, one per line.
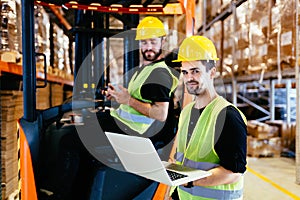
(200, 153)
(128, 115)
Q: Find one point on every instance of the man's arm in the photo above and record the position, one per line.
(157, 110)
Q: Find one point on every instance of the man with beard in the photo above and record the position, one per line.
(145, 108)
(212, 132)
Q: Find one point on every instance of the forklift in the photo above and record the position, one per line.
(46, 140)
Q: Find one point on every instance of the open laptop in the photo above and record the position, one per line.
(138, 156)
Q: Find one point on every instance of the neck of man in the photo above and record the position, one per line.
(203, 100)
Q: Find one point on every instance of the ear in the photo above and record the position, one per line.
(213, 72)
(163, 40)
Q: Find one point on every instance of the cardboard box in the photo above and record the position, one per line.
(261, 130)
(264, 147)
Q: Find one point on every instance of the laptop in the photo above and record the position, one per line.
(138, 156)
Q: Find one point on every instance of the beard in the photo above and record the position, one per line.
(151, 57)
(194, 89)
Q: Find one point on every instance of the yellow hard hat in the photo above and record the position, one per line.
(150, 27)
(196, 48)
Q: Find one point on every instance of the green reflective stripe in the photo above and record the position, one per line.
(133, 117)
(213, 193)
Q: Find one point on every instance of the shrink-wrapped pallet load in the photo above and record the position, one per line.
(242, 37)
(258, 34)
(287, 33)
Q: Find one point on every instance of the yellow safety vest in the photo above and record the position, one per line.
(199, 152)
(128, 115)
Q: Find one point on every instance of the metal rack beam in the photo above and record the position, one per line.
(221, 16)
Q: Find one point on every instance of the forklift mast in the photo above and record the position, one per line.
(34, 122)
(91, 29)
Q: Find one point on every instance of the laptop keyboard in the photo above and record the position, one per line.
(175, 175)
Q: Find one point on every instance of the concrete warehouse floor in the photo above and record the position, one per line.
(271, 179)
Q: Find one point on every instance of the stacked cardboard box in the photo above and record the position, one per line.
(57, 94)
(274, 37)
(42, 35)
(287, 33)
(215, 34)
(263, 139)
(287, 133)
(11, 110)
(212, 8)
(228, 43)
(43, 96)
(9, 36)
(262, 35)
(242, 38)
(258, 33)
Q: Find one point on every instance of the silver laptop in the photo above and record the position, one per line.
(138, 156)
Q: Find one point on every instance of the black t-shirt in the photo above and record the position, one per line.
(157, 89)
(230, 138)
(158, 85)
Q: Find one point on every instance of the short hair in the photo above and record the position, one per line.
(209, 64)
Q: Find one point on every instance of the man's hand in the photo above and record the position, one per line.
(119, 93)
(156, 110)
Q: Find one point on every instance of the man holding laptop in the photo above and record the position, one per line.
(212, 132)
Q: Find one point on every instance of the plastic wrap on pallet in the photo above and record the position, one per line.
(213, 7)
(42, 35)
(287, 33)
(8, 15)
(242, 38)
(61, 51)
(9, 35)
(228, 43)
(216, 36)
(274, 37)
(259, 21)
(214, 33)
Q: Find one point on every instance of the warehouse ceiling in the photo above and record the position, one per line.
(65, 8)
(124, 3)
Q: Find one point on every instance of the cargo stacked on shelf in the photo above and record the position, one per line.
(60, 66)
(228, 44)
(9, 36)
(42, 35)
(287, 33)
(287, 134)
(258, 33)
(11, 110)
(215, 33)
(57, 94)
(242, 39)
(42, 96)
(263, 140)
(262, 36)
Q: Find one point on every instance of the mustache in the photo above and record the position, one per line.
(192, 82)
(148, 51)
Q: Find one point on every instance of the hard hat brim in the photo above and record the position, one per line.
(190, 60)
